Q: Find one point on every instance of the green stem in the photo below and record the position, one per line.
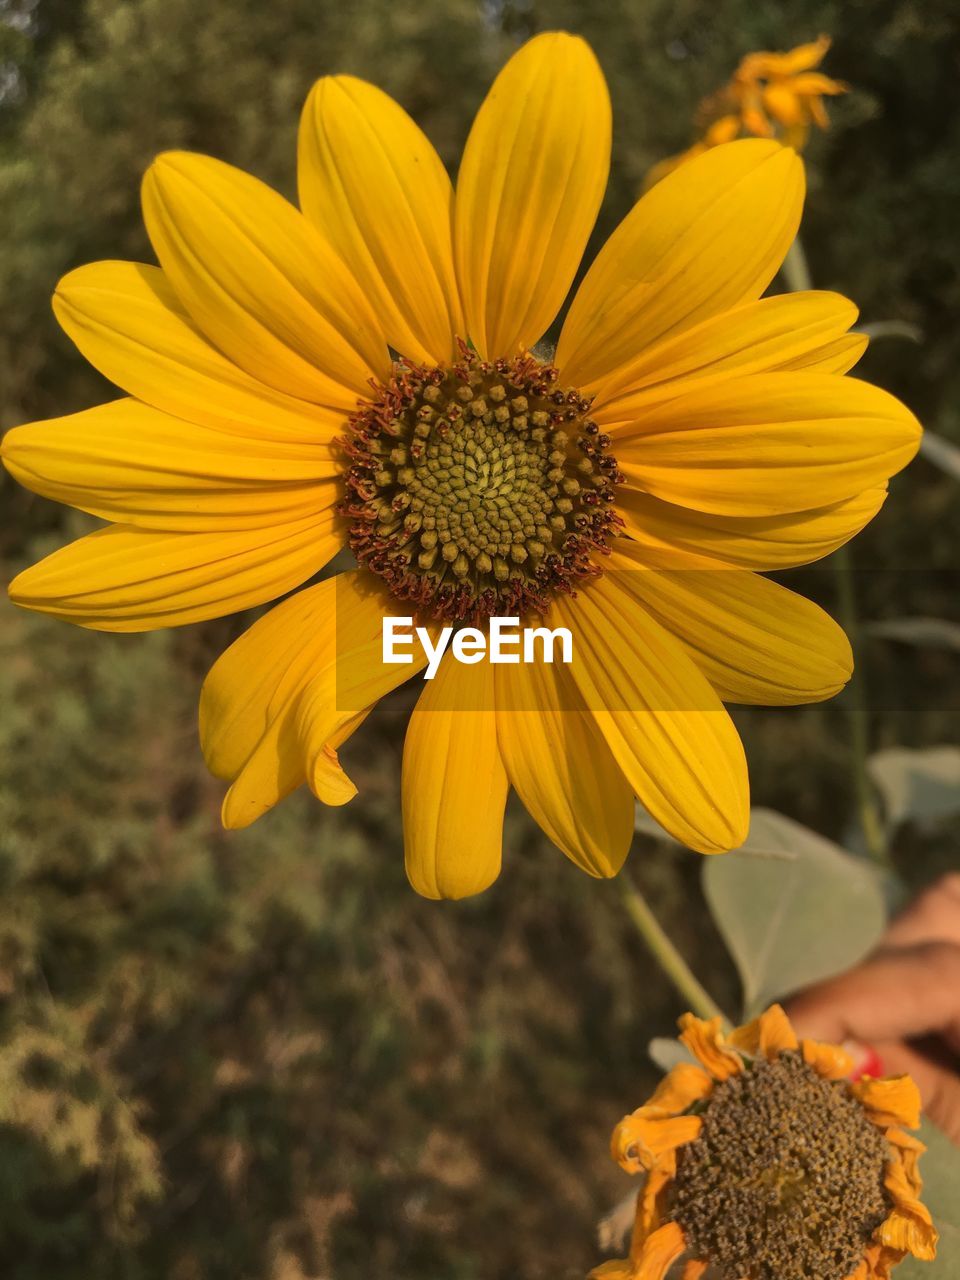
(796, 273)
(795, 269)
(871, 822)
(697, 999)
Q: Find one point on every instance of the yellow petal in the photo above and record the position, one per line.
(613, 1269)
(749, 542)
(129, 579)
(454, 784)
(260, 282)
(723, 130)
(650, 1202)
(906, 1151)
(754, 120)
(755, 641)
(816, 108)
(641, 1140)
(838, 356)
(769, 1035)
(693, 1269)
(127, 321)
(705, 1039)
(769, 443)
(894, 1100)
(708, 237)
(277, 766)
(532, 178)
(789, 330)
(802, 58)
(328, 781)
(909, 1226)
(828, 1060)
(561, 767)
(660, 170)
(350, 683)
(864, 1271)
(783, 104)
(127, 462)
(373, 185)
(878, 1263)
(663, 722)
(250, 701)
(235, 701)
(683, 1085)
(815, 83)
(905, 1142)
(660, 1252)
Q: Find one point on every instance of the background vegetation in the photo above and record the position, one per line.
(258, 1056)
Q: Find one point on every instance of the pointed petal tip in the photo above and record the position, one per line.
(726, 837)
(730, 826)
(164, 166)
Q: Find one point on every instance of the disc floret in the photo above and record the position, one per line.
(786, 1179)
(478, 489)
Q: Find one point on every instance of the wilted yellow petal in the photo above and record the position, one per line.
(705, 1039)
(768, 1035)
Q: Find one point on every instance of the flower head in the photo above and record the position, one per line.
(782, 93)
(358, 373)
(766, 1162)
(771, 95)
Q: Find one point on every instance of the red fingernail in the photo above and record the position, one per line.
(866, 1060)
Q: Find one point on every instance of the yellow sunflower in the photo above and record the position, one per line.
(771, 95)
(765, 1162)
(359, 375)
(783, 93)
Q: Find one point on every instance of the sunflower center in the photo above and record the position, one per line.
(785, 1181)
(479, 489)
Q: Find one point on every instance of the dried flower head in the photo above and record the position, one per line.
(766, 1162)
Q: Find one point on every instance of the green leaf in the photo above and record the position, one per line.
(666, 1052)
(940, 1168)
(932, 633)
(792, 907)
(917, 785)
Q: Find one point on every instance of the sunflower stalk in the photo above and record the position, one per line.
(796, 273)
(695, 996)
(871, 822)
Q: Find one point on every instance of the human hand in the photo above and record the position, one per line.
(903, 1002)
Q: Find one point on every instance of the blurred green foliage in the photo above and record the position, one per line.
(259, 1055)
